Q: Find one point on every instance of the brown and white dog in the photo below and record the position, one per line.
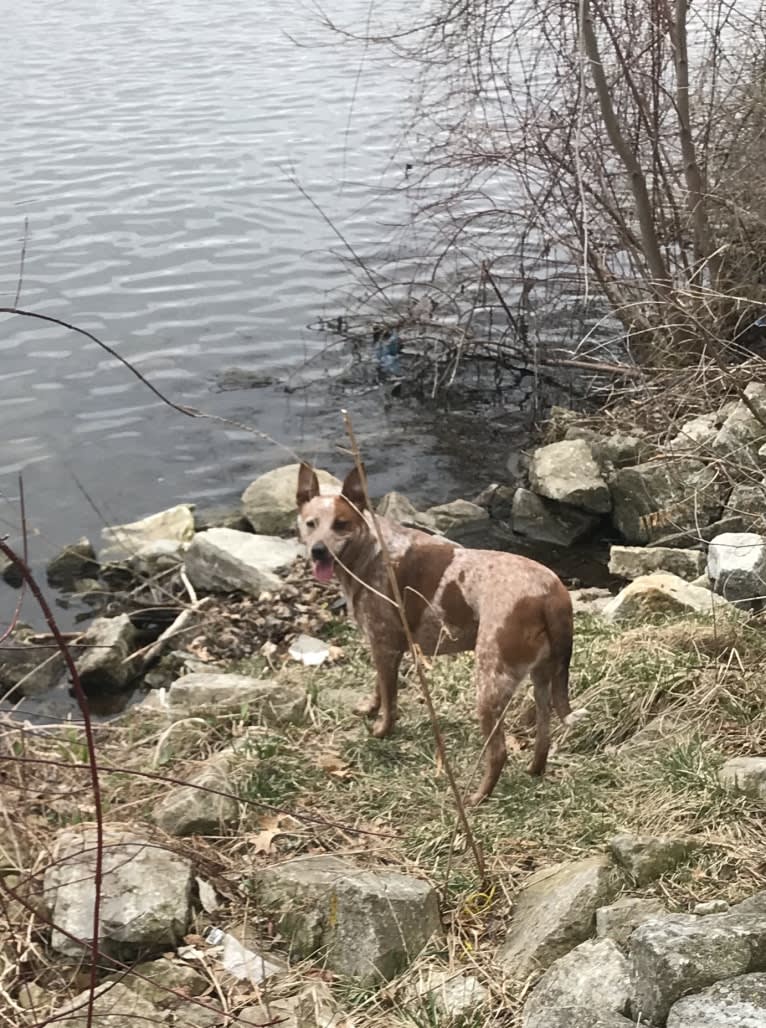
(515, 613)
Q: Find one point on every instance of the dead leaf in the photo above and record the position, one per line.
(333, 764)
(263, 841)
(335, 653)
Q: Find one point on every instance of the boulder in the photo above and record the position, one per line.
(549, 522)
(616, 450)
(145, 892)
(200, 808)
(121, 542)
(220, 517)
(589, 600)
(620, 919)
(742, 433)
(399, 508)
(10, 572)
(313, 1007)
(665, 497)
(74, 563)
(450, 516)
(748, 504)
(633, 561)
(554, 912)
(745, 774)
(646, 857)
(735, 1003)
(698, 434)
(115, 1006)
(451, 994)
(223, 560)
(268, 503)
(202, 693)
(567, 472)
(680, 954)
(497, 500)
(594, 977)
(367, 924)
(736, 565)
(26, 666)
(103, 651)
(664, 594)
(164, 983)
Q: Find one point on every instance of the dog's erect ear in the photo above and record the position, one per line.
(308, 485)
(353, 489)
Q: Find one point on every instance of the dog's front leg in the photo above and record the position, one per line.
(387, 667)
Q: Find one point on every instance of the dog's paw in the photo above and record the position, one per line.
(382, 728)
(576, 715)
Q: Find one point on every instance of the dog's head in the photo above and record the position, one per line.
(328, 525)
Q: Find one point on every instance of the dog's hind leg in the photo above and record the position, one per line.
(541, 680)
(494, 691)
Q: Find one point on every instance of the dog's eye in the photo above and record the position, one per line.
(340, 525)
(311, 524)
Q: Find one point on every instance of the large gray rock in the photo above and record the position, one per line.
(554, 912)
(680, 954)
(103, 652)
(399, 508)
(698, 434)
(28, 667)
(734, 1003)
(224, 560)
(664, 497)
(367, 924)
(268, 503)
(619, 920)
(736, 565)
(594, 977)
(145, 892)
(742, 433)
(205, 692)
(115, 1006)
(200, 808)
(748, 503)
(74, 563)
(164, 983)
(567, 472)
(452, 994)
(10, 572)
(616, 450)
(121, 542)
(663, 594)
(633, 561)
(745, 774)
(646, 857)
(447, 517)
(547, 521)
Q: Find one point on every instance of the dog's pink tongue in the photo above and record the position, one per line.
(323, 570)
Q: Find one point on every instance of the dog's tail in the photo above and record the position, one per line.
(559, 622)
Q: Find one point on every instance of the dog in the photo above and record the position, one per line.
(514, 613)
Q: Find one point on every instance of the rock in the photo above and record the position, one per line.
(195, 810)
(27, 667)
(309, 651)
(549, 522)
(734, 1003)
(755, 904)
(497, 500)
(74, 563)
(313, 1007)
(680, 954)
(661, 593)
(615, 450)
(736, 565)
(121, 542)
(399, 508)
(221, 517)
(554, 912)
(268, 503)
(115, 1006)
(449, 516)
(620, 919)
(697, 434)
(159, 982)
(222, 560)
(452, 994)
(590, 600)
(367, 923)
(102, 654)
(10, 572)
(634, 561)
(745, 774)
(665, 497)
(145, 896)
(710, 907)
(568, 473)
(593, 977)
(646, 857)
(748, 504)
(204, 693)
(742, 434)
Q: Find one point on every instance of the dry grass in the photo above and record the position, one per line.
(388, 805)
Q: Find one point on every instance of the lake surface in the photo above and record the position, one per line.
(152, 147)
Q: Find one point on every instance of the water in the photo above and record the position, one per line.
(152, 148)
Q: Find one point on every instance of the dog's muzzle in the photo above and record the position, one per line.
(322, 562)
